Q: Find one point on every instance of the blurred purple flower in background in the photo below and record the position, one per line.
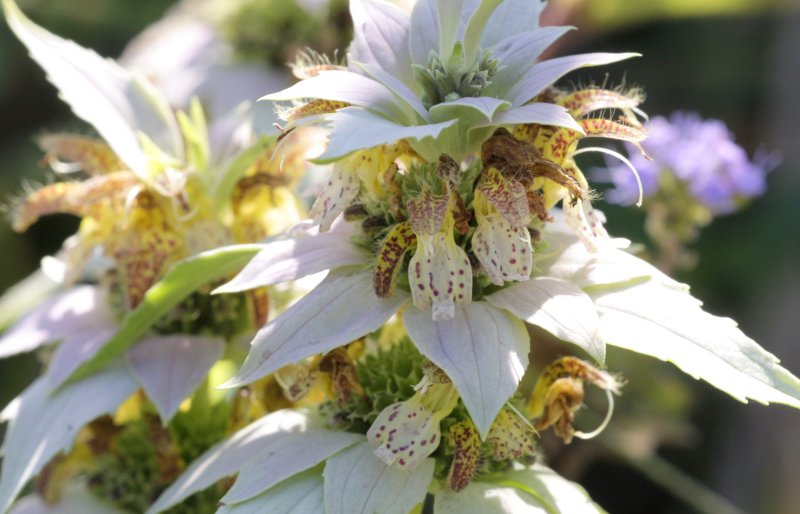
(701, 154)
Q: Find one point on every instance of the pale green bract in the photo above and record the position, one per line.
(444, 78)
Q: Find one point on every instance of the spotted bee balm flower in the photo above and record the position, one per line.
(457, 212)
(157, 192)
(454, 216)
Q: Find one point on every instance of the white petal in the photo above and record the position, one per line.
(503, 250)
(75, 499)
(74, 310)
(547, 72)
(537, 112)
(356, 129)
(339, 193)
(295, 257)
(227, 457)
(170, 368)
(339, 310)
(380, 37)
(356, 481)
(301, 494)
(512, 18)
(285, 454)
(76, 349)
(343, 86)
(482, 349)
(46, 423)
(119, 104)
(424, 31)
(559, 307)
(669, 324)
(587, 224)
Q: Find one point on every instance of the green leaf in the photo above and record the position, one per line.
(195, 133)
(181, 280)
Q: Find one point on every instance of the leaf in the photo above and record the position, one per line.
(78, 309)
(424, 31)
(396, 86)
(657, 320)
(559, 307)
(473, 32)
(227, 457)
(77, 348)
(356, 129)
(357, 481)
(537, 112)
(285, 454)
(119, 104)
(380, 37)
(537, 490)
(518, 52)
(545, 73)
(43, 424)
(339, 310)
(297, 256)
(75, 499)
(513, 19)
(568, 259)
(300, 494)
(170, 368)
(482, 349)
(552, 490)
(470, 111)
(183, 278)
(343, 86)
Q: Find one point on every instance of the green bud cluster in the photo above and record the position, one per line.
(442, 82)
(387, 376)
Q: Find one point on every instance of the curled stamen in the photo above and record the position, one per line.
(624, 160)
(597, 431)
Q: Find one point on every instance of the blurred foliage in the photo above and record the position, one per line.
(603, 14)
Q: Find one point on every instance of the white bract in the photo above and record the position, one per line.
(443, 77)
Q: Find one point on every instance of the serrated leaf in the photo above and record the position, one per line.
(182, 279)
(667, 323)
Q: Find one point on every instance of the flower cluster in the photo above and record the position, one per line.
(691, 171)
(453, 215)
